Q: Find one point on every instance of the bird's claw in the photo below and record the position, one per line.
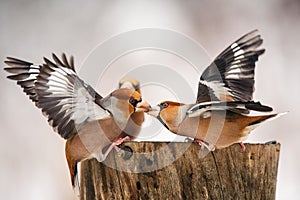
(243, 146)
(121, 140)
(199, 141)
(114, 145)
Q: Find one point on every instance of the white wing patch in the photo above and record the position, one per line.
(203, 108)
(242, 108)
(238, 51)
(54, 87)
(65, 99)
(33, 72)
(85, 108)
(218, 88)
(235, 68)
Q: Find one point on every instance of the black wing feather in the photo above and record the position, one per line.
(233, 106)
(233, 69)
(53, 87)
(25, 73)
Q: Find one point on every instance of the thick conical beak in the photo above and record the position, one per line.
(142, 107)
(154, 111)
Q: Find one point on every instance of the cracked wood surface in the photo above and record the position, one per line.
(175, 171)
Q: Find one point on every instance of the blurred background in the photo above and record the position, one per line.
(32, 162)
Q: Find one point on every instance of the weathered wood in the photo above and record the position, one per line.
(223, 174)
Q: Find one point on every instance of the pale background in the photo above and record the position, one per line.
(32, 162)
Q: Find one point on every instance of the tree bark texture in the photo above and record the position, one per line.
(176, 171)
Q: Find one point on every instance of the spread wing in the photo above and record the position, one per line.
(234, 106)
(25, 74)
(67, 101)
(231, 75)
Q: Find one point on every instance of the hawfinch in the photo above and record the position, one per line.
(90, 123)
(135, 121)
(220, 116)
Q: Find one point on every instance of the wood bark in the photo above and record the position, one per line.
(176, 171)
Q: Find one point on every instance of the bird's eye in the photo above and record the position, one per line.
(164, 105)
(133, 101)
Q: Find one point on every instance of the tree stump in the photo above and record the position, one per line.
(175, 171)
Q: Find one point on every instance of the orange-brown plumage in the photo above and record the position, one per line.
(94, 138)
(221, 129)
(136, 120)
(220, 116)
(91, 124)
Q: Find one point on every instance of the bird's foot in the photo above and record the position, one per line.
(114, 145)
(202, 143)
(121, 140)
(243, 146)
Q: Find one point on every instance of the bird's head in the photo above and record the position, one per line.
(130, 83)
(169, 113)
(122, 103)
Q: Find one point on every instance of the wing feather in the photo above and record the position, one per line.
(230, 77)
(234, 106)
(63, 97)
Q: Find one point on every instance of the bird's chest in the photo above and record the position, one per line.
(196, 127)
(210, 126)
(134, 125)
(97, 134)
(109, 128)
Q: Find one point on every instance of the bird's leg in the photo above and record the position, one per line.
(243, 146)
(114, 145)
(199, 141)
(120, 141)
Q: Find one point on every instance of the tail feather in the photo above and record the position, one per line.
(260, 119)
(255, 121)
(75, 179)
(72, 164)
(73, 171)
(264, 118)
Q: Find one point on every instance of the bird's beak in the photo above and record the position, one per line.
(142, 107)
(154, 111)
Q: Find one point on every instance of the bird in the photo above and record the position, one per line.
(224, 112)
(90, 124)
(136, 120)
